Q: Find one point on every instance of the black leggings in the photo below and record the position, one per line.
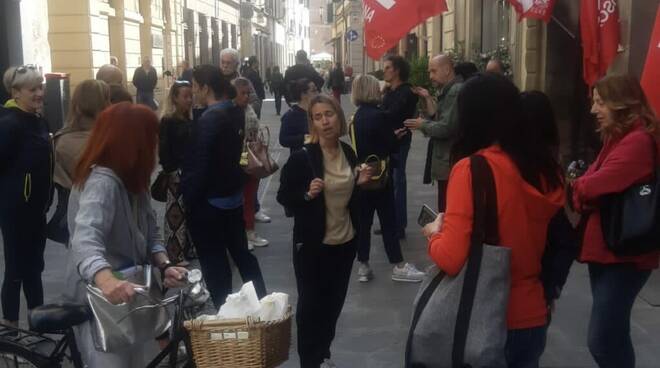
(24, 240)
(11, 295)
(322, 276)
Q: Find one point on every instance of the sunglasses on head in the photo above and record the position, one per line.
(182, 83)
(22, 70)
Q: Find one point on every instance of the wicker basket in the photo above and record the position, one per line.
(240, 343)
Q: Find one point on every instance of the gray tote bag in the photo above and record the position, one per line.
(460, 321)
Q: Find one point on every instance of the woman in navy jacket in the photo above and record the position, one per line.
(373, 135)
(294, 122)
(26, 171)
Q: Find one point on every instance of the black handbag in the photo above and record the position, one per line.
(631, 219)
(159, 187)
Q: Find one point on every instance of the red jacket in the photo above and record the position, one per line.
(523, 217)
(621, 163)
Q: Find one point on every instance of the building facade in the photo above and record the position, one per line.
(320, 15)
(273, 30)
(77, 37)
(348, 36)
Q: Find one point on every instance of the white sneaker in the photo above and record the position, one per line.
(255, 240)
(407, 273)
(261, 217)
(327, 363)
(364, 272)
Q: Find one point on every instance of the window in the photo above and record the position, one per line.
(495, 24)
(234, 40)
(157, 9)
(225, 35)
(132, 5)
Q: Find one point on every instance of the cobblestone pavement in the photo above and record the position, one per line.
(373, 327)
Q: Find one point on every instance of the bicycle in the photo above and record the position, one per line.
(51, 341)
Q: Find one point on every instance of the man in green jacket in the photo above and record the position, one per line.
(440, 124)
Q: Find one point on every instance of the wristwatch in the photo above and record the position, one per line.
(163, 267)
(307, 197)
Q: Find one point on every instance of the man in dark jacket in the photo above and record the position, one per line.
(277, 88)
(399, 103)
(301, 70)
(252, 73)
(212, 186)
(145, 79)
(337, 82)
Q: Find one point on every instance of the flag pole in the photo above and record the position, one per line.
(562, 26)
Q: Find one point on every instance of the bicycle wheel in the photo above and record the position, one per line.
(15, 356)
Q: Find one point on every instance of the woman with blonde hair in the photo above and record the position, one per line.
(89, 98)
(25, 187)
(320, 185)
(629, 156)
(373, 136)
(175, 130)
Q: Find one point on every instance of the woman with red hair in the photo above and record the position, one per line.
(111, 222)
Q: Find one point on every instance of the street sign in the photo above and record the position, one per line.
(352, 35)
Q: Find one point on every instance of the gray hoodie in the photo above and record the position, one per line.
(104, 233)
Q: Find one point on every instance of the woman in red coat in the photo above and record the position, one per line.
(628, 129)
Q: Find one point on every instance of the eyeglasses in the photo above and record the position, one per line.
(22, 70)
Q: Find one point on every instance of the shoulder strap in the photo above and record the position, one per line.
(352, 132)
(309, 161)
(484, 229)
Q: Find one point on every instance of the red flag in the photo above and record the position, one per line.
(651, 75)
(599, 27)
(535, 9)
(387, 21)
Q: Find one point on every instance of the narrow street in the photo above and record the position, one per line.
(373, 327)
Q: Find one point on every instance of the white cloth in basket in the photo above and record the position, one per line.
(245, 303)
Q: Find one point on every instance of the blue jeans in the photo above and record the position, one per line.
(614, 288)
(524, 347)
(400, 187)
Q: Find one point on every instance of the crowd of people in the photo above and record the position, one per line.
(100, 167)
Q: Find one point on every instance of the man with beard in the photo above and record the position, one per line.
(441, 130)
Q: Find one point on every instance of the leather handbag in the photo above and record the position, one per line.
(460, 321)
(631, 220)
(159, 187)
(255, 159)
(380, 167)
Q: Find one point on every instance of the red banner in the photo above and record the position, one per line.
(534, 9)
(599, 28)
(387, 21)
(651, 75)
